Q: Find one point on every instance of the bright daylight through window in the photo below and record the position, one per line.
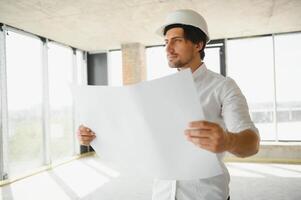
(61, 120)
(25, 67)
(24, 97)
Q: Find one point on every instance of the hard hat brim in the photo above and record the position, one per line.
(160, 31)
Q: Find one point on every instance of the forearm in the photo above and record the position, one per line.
(243, 144)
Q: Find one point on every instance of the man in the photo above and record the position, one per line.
(228, 126)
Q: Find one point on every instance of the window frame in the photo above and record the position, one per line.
(3, 106)
(46, 160)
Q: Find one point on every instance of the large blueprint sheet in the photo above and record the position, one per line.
(140, 127)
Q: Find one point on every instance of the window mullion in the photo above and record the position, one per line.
(75, 81)
(275, 91)
(3, 107)
(46, 105)
(84, 68)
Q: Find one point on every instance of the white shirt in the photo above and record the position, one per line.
(223, 103)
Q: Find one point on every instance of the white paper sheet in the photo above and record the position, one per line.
(140, 127)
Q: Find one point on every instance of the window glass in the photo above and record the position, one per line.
(61, 113)
(81, 68)
(288, 71)
(157, 65)
(212, 59)
(24, 95)
(115, 68)
(250, 64)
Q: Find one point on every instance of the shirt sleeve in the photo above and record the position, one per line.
(235, 111)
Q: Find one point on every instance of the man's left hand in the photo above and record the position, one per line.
(208, 135)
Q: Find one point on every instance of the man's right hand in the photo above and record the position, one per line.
(85, 135)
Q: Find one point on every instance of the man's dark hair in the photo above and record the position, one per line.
(195, 35)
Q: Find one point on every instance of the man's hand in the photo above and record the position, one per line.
(208, 135)
(85, 135)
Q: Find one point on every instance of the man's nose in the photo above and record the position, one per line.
(169, 47)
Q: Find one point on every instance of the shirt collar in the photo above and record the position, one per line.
(199, 72)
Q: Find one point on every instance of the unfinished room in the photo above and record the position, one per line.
(150, 100)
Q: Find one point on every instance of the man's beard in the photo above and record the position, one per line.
(177, 64)
(180, 63)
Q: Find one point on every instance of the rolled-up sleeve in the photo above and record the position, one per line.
(235, 111)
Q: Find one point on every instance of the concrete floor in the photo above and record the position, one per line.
(265, 181)
(89, 179)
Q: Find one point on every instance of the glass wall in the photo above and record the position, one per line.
(212, 59)
(288, 81)
(250, 64)
(267, 70)
(81, 68)
(157, 65)
(24, 95)
(61, 113)
(115, 68)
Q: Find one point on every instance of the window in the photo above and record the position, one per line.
(61, 110)
(115, 77)
(24, 97)
(212, 59)
(157, 65)
(250, 64)
(23, 146)
(288, 71)
(81, 68)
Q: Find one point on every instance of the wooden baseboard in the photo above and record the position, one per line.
(263, 160)
(44, 168)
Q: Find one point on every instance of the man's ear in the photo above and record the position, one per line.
(199, 46)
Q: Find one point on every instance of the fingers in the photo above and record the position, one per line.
(198, 133)
(207, 135)
(203, 129)
(85, 135)
(200, 138)
(86, 140)
(84, 129)
(202, 124)
(199, 141)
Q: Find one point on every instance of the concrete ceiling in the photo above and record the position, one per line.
(97, 25)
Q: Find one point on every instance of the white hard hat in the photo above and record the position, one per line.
(185, 17)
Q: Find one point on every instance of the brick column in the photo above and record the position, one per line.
(133, 63)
